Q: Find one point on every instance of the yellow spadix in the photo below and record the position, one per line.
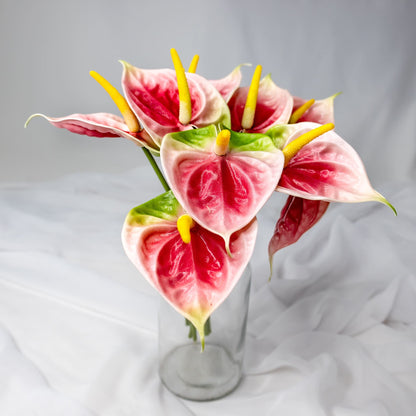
(293, 147)
(127, 113)
(184, 224)
(251, 102)
(194, 64)
(299, 112)
(222, 141)
(185, 108)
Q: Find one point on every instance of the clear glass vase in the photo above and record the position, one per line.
(217, 371)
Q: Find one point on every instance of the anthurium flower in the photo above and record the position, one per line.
(274, 106)
(153, 96)
(297, 216)
(190, 268)
(221, 184)
(327, 168)
(321, 111)
(104, 124)
(99, 125)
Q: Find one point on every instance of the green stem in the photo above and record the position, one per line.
(192, 334)
(156, 169)
(207, 327)
(192, 330)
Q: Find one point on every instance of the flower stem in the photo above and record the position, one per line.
(192, 334)
(192, 330)
(156, 169)
(207, 327)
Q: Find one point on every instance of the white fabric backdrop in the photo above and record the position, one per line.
(334, 333)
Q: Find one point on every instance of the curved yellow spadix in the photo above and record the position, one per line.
(128, 115)
(251, 102)
(184, 224)
(194, 64)
(221, 142)
(185, 108)
(299, 112)
(293, 147)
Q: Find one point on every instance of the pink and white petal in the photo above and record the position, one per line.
(99, 125)
(227, 86)
(197, 277)
(327, 168)
(153, 97)
(322, 111)
(194, 278)
(297, 216)
(210, 107)
(274, 106)
(222, 193)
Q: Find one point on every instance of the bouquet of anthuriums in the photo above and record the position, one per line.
(224, 149)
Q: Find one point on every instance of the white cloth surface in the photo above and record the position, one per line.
(333, 333)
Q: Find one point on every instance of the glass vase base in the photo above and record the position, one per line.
(200, 376)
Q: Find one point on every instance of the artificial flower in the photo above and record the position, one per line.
(100, 125)
(325, 169)
(222, 189)
(297, 216)
(153, 97)
(320, 111)
(272, 105)
(188, 265)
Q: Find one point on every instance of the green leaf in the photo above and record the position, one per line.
(279, 135)
(163, 207)
(196, 138)
(249, 142)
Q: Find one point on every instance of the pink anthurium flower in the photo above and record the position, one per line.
(327, 168)
(228, 85)
(222, 192)
(297, 216)
(274, 106)
(99, 125)
(153, 97)
(194, 277)
(322, 111)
